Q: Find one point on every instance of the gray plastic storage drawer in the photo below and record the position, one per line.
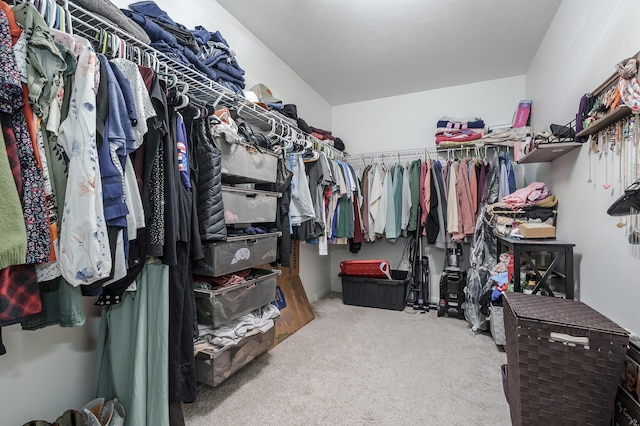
(497, 324)
(248, 205)
(238, 253)
(243, 163)
(213, 367)
(216, 307)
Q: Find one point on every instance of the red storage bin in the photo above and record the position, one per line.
(379, 268)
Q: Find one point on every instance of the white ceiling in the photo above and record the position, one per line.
(355, 50)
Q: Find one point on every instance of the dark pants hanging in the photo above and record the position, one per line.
(182, 373)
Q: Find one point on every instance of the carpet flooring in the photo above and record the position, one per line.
(364, 366)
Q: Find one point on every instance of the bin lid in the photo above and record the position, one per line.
(560, 311)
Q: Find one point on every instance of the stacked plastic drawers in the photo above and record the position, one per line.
(242, 165)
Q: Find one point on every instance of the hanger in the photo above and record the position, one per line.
(134, 54)
(105, 37)
(185, 101)
(114, 46)
(42, 9)
(146, 59)
(57, 21)
(272, 132)
(202, 108)
(52, 12)
(171, 79)
(123, 48)
(182, 91)
(67, 16)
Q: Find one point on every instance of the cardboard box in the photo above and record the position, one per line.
(294, 255)
(291, 298)
(295, 309)
(537, 230)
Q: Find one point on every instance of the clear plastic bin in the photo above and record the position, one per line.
(216, 307)
(246, 206)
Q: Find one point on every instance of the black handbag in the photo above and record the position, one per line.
(256, 139)
(628, 203)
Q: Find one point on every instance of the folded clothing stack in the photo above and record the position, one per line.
(205, 51)
(452, 131)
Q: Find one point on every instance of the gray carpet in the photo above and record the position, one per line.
(364, 366)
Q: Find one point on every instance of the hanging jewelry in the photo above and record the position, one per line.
(607, 144)
(622, 221)
(590, 161)
(636, 142)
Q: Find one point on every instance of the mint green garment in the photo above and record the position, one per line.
(345, 215)
(61, 305)
(397, 196)
(390, 230)
(132, 354)
(45, 63)
(414, 180)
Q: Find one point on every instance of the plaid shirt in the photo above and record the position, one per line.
(19, 293)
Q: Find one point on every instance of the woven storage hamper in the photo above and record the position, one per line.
(564, 361)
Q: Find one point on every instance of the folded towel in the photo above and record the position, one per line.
(111, 13)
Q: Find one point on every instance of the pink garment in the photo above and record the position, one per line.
(423, 210)
(527, 196)
(451, 137)
(465, 207)
(473, 185)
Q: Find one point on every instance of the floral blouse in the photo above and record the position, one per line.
(85, 256)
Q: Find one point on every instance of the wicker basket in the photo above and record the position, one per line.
(564, 361)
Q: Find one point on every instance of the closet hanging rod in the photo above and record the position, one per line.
(201, 87)
(412, 152)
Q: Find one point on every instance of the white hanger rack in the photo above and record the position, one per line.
(394, 156)
(201, 87)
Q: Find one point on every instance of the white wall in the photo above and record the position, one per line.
(48, 371)
(409, 121)
(260, 64)
(585, 41)
(51, 367)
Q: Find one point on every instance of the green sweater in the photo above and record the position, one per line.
(13, 234)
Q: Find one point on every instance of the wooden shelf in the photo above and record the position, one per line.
(546, 152)
(606, 120)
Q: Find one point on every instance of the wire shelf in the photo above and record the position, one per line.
(201, 87)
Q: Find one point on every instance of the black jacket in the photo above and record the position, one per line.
(209, 185)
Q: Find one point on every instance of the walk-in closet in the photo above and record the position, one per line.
(319, 213)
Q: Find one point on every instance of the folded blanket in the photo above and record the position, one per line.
(508, 135)
(111, 13)
(452, 124)
(458, 136)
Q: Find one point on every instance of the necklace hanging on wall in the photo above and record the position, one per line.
(606, 185)
(622, 151)
(636, 142)
(590, 161)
